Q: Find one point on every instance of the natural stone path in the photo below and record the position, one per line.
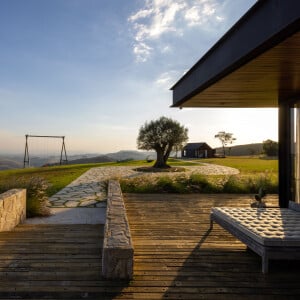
(88, 190)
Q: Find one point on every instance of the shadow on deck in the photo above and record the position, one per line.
(177, 257)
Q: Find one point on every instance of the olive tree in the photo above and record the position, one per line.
(225, 139)
(162, 135)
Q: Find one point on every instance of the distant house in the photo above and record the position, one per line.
(197, 150)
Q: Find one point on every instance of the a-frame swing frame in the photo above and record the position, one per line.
(63, 153)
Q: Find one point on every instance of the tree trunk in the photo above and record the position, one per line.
(160, 160)
(167, 153)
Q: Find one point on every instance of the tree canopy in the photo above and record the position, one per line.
(162, 135)
(270, 148)
(225, 139)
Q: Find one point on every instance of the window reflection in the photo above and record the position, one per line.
(295, 126)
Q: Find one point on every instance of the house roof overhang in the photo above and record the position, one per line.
(195, 146)
(255, 64)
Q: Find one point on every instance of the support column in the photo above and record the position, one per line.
(284, 154)
(296, 161)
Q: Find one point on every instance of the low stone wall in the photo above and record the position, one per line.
(117, 257)
(12, 209)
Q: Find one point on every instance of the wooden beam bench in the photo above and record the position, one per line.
(117, 257)
(272, 233)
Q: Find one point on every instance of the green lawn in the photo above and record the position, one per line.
(178, 162)
(246, 165)
(60, 176)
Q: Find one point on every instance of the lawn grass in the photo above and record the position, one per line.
(179, 162)
(246, 165)
(58, 176)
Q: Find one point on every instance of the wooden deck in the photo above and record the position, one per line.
(50, 261)
(176, 257)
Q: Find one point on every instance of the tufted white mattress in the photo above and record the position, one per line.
(267, 226)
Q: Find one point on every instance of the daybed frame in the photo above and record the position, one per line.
(278, 251)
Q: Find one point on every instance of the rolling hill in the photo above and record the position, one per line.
(8, 162)
(242, 150)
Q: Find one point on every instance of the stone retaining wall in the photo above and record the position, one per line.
(117, 257)
(12, 209)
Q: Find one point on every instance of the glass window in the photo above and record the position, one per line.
(295, 151)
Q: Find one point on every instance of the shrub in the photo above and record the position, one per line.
(234, 185)
(166, 184)
(36, 198)
(200, 183)
(265, 181)
(250, 184)
(197, 183)
(141, 184)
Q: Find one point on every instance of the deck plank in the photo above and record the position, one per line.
(176, 257)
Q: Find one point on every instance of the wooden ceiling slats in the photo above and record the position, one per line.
(260, 83)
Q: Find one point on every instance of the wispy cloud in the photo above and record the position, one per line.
(159, 17)
(201, 13)
(142, 51)
(167, 79)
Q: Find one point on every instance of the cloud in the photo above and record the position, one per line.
(167, 79)
(200, 13)
(160, 17)
(140, 14)
(166, 49)
(142, 51)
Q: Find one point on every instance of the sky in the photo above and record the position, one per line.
(96, 70)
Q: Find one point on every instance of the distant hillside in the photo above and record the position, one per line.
(131, 154)
(242, 150)
(89, 160)
(7, 164)
(112, 157)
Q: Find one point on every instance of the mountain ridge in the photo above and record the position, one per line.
(8, 162)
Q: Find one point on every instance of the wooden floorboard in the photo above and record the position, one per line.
(176, 257)
(51, 262)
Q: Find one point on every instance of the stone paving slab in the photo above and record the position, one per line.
(88, 190)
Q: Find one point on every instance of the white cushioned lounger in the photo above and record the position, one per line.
(273, 233)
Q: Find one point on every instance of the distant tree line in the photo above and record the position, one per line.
(270, 148)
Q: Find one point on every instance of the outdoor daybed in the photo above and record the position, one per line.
(273, 233)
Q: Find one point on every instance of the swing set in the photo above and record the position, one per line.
(63, 152)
